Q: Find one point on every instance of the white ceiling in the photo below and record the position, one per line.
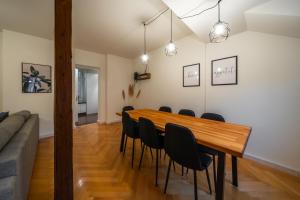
(115, 26)
(270, 16)
(103, 26)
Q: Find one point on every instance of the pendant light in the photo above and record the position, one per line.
(145, 56)
(171, 49)
(220, 30)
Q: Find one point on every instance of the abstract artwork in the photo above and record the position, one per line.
(224, 71)
(36, 78)
(191, 75)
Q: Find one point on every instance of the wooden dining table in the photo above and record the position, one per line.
(225, 138)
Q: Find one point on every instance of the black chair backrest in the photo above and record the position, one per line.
(126, 108)
(165, 109)
(148, 132)
(128, 124)
(181, 146)
(213, 116)
(187, 112)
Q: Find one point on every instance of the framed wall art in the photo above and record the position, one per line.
(191, 75)
(36, 78)
(224, 71)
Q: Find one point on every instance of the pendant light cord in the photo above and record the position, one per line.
(219, 12)
(145, 42)
(199, 13)
(171, 26)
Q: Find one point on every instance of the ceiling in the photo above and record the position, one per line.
(270, 16)
(103, 26)
(115, 26)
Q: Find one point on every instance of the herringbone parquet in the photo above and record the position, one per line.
(102, 172)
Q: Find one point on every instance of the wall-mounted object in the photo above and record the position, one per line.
(191, 75)
(224, 71)
(36, 78)
(139, 77)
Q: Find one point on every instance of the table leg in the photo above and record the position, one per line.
(234, 171)
(122, 141)
(220, 176)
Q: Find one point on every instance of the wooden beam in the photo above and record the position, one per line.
(63, 125)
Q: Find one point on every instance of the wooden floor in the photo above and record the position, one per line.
(101, 172)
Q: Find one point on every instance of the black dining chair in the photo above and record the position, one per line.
(181, 146)
(127, 108)
(131, 130)
(165, 109)
(204, 149)
(150, 137)
(187, 112)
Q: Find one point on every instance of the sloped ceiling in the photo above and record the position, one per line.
(103, 26)
(115, 26)
(280, 17)
(269, 16)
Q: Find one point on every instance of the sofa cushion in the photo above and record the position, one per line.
(24, 113)
(7, 188)
(3, 115)
(9, 127)
(17, 157)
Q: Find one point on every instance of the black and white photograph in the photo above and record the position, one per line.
(36, 78)
(191, 75)
(224, 71)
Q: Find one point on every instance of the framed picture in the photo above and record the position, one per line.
(191, 75)
(224, 71)
(36, 78)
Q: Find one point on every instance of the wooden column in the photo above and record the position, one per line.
(63, 125)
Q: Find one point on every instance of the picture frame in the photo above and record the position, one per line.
(224, 71)
(36, 78)
(191, 75)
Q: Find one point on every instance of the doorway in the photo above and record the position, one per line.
(86, 88)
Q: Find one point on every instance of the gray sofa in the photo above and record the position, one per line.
(19, 134)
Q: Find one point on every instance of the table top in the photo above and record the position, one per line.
(226, 137)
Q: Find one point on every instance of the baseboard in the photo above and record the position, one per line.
(47, 135)
(272, 164)
(113, 121)
(101, 121)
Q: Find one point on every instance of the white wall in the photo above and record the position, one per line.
(119, 75)
(165, 85)
(92, 93)
(98, 62)
(18, 48)
(267, 96)
(1, 60)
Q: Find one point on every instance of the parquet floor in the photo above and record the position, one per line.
(101, 172)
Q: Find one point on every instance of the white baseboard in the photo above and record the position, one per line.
(46, 135)
(113, 121)
(273, 164)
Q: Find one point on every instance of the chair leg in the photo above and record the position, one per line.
(168, 174)
(151, 152)
(143, 148)
(156, 169)
(195, 185)
(125, 145)
(173, 165)
(132, 153)
(214, 170)
(208, 181)
(181, 170)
